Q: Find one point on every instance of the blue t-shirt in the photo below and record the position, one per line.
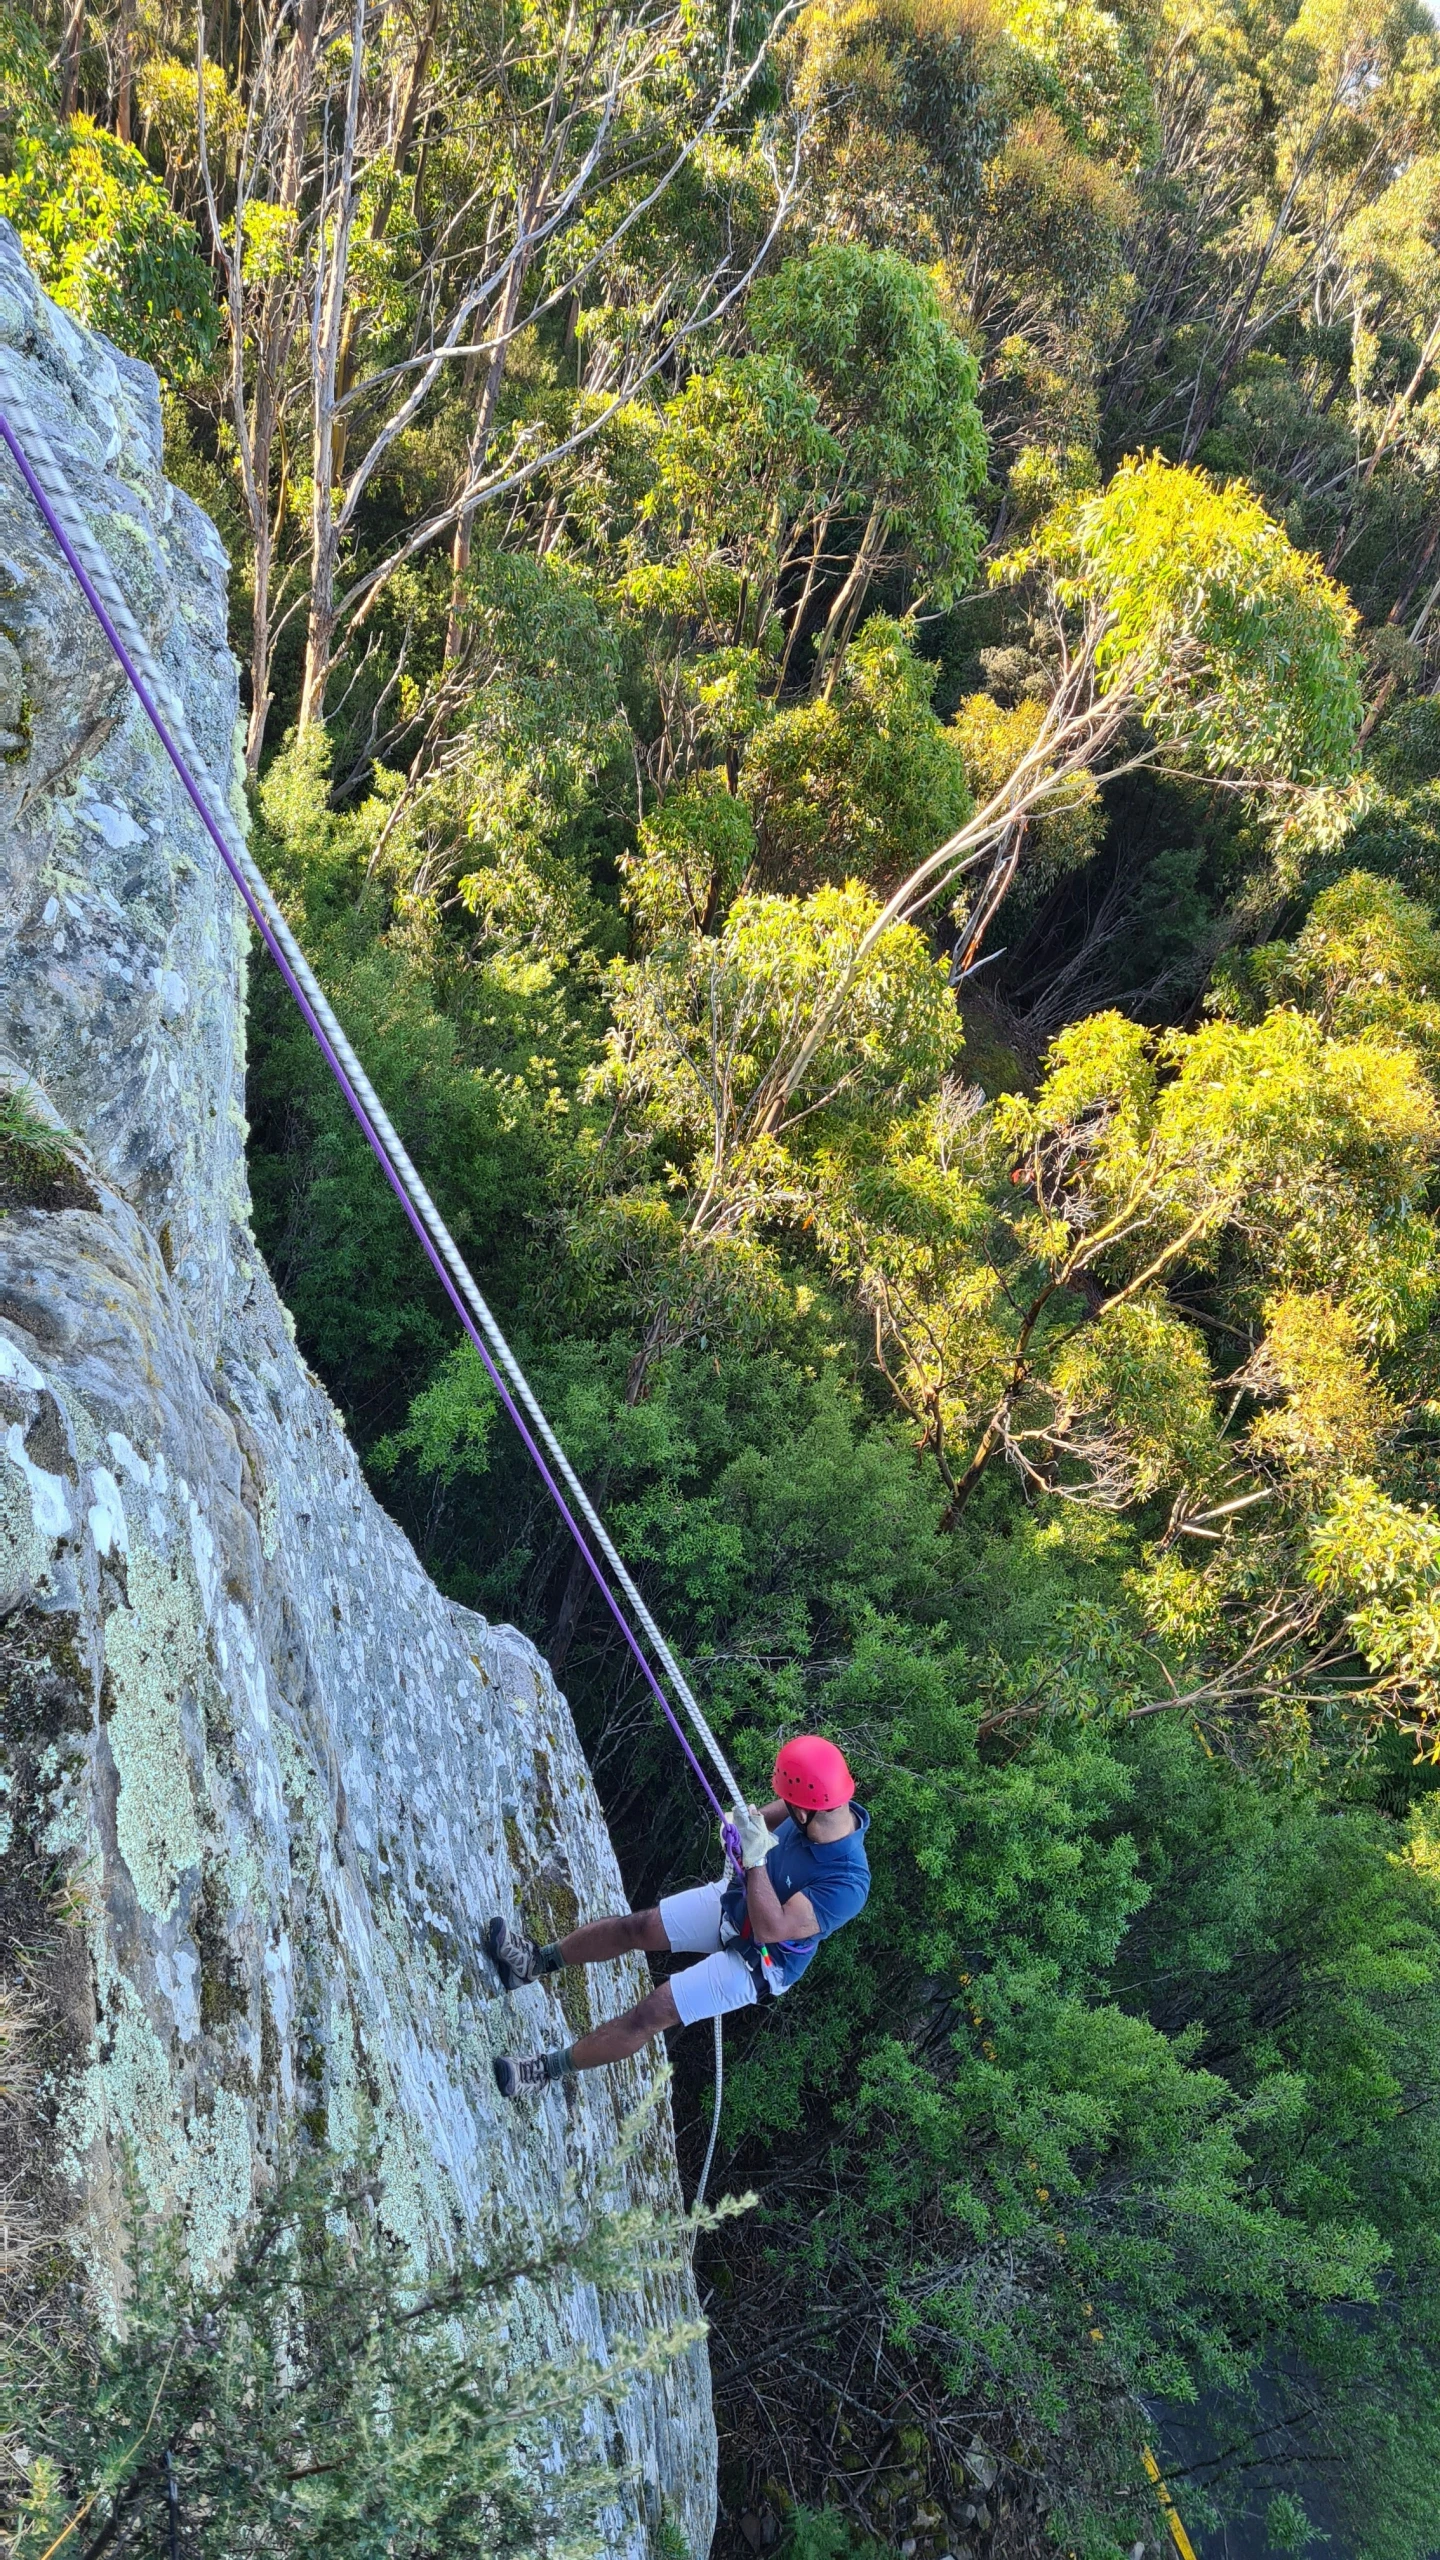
(833, 1875)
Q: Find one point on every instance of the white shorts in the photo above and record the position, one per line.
(724, 1980)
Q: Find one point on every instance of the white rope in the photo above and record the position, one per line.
(714, 2120)
(49, 471)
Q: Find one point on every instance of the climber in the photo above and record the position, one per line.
(805, 1875)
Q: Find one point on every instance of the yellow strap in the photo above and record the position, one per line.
(1178, 2534)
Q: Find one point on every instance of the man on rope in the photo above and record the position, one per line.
(806, 1874)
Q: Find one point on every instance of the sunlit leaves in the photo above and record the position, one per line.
(1330, 1407)
(1236, 647)
(739, 454)
(1384, 1560)
(704, 1027)
(103, 238)
(166, 95)
(1133, 1402)
(691, 858)
(1097, 79)
(909, 101)
(1366, 959)
(769, 971)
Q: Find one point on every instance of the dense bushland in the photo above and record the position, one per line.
(839, 608)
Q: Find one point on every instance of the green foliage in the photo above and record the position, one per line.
(907, 95)
(1287, 2527)
(541, 720)
(822, 2534)
(449, 1425)
(1058, 1852)
(691, 857)
(105, 242)
(1066, 828)
(26, 82)
(319, 2396)
(862, 781)
(1366, 961)
(36, 1167)
(1093, 77)
(27, 1139)
(1048, 1843)
(474, 1073)
(740, 454)
(1386, 1557)
(868, 333)
(707, 1029)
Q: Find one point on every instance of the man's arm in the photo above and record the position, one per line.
(770, 1918)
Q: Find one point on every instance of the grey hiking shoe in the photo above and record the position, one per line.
(515, 1957)
(516, 2074)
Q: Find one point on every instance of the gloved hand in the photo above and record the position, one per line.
(756, 1842)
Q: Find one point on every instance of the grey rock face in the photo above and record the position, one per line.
(287, 1781)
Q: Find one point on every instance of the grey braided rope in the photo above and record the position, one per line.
(49, 470)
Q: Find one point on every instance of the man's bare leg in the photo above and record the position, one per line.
(621, 2036)
(519, 1958)
(627, 1933)
(535, 2072)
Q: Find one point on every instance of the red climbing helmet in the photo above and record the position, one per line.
(812, 1772)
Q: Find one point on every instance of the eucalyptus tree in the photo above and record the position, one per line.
(765, 1044)
(1186, 632)
(364, 297)
(777, 487)
(868, 334)
(1278, 134)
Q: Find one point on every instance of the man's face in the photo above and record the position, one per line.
(799, 1813)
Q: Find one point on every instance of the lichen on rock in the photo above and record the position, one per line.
(287, 1779)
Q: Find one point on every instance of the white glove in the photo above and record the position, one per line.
(755, 1840)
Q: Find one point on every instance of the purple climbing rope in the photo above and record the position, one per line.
(372, 1137)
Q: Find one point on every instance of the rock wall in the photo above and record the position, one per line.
(261, 1786)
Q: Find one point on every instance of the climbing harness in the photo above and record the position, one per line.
(41, 470)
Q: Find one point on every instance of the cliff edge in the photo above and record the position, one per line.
(279, 1779)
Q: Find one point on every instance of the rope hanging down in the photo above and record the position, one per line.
(40, 469)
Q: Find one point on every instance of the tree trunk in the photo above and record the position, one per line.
(324, 532)
(579, 1583)
(380, 219)
(484, 428)
(983, 913)
(74, 39)
(301, 70)
(260, 648)
(320, 625)
(124, 68)
(797, 618)
(845, 611)
(256, 406)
